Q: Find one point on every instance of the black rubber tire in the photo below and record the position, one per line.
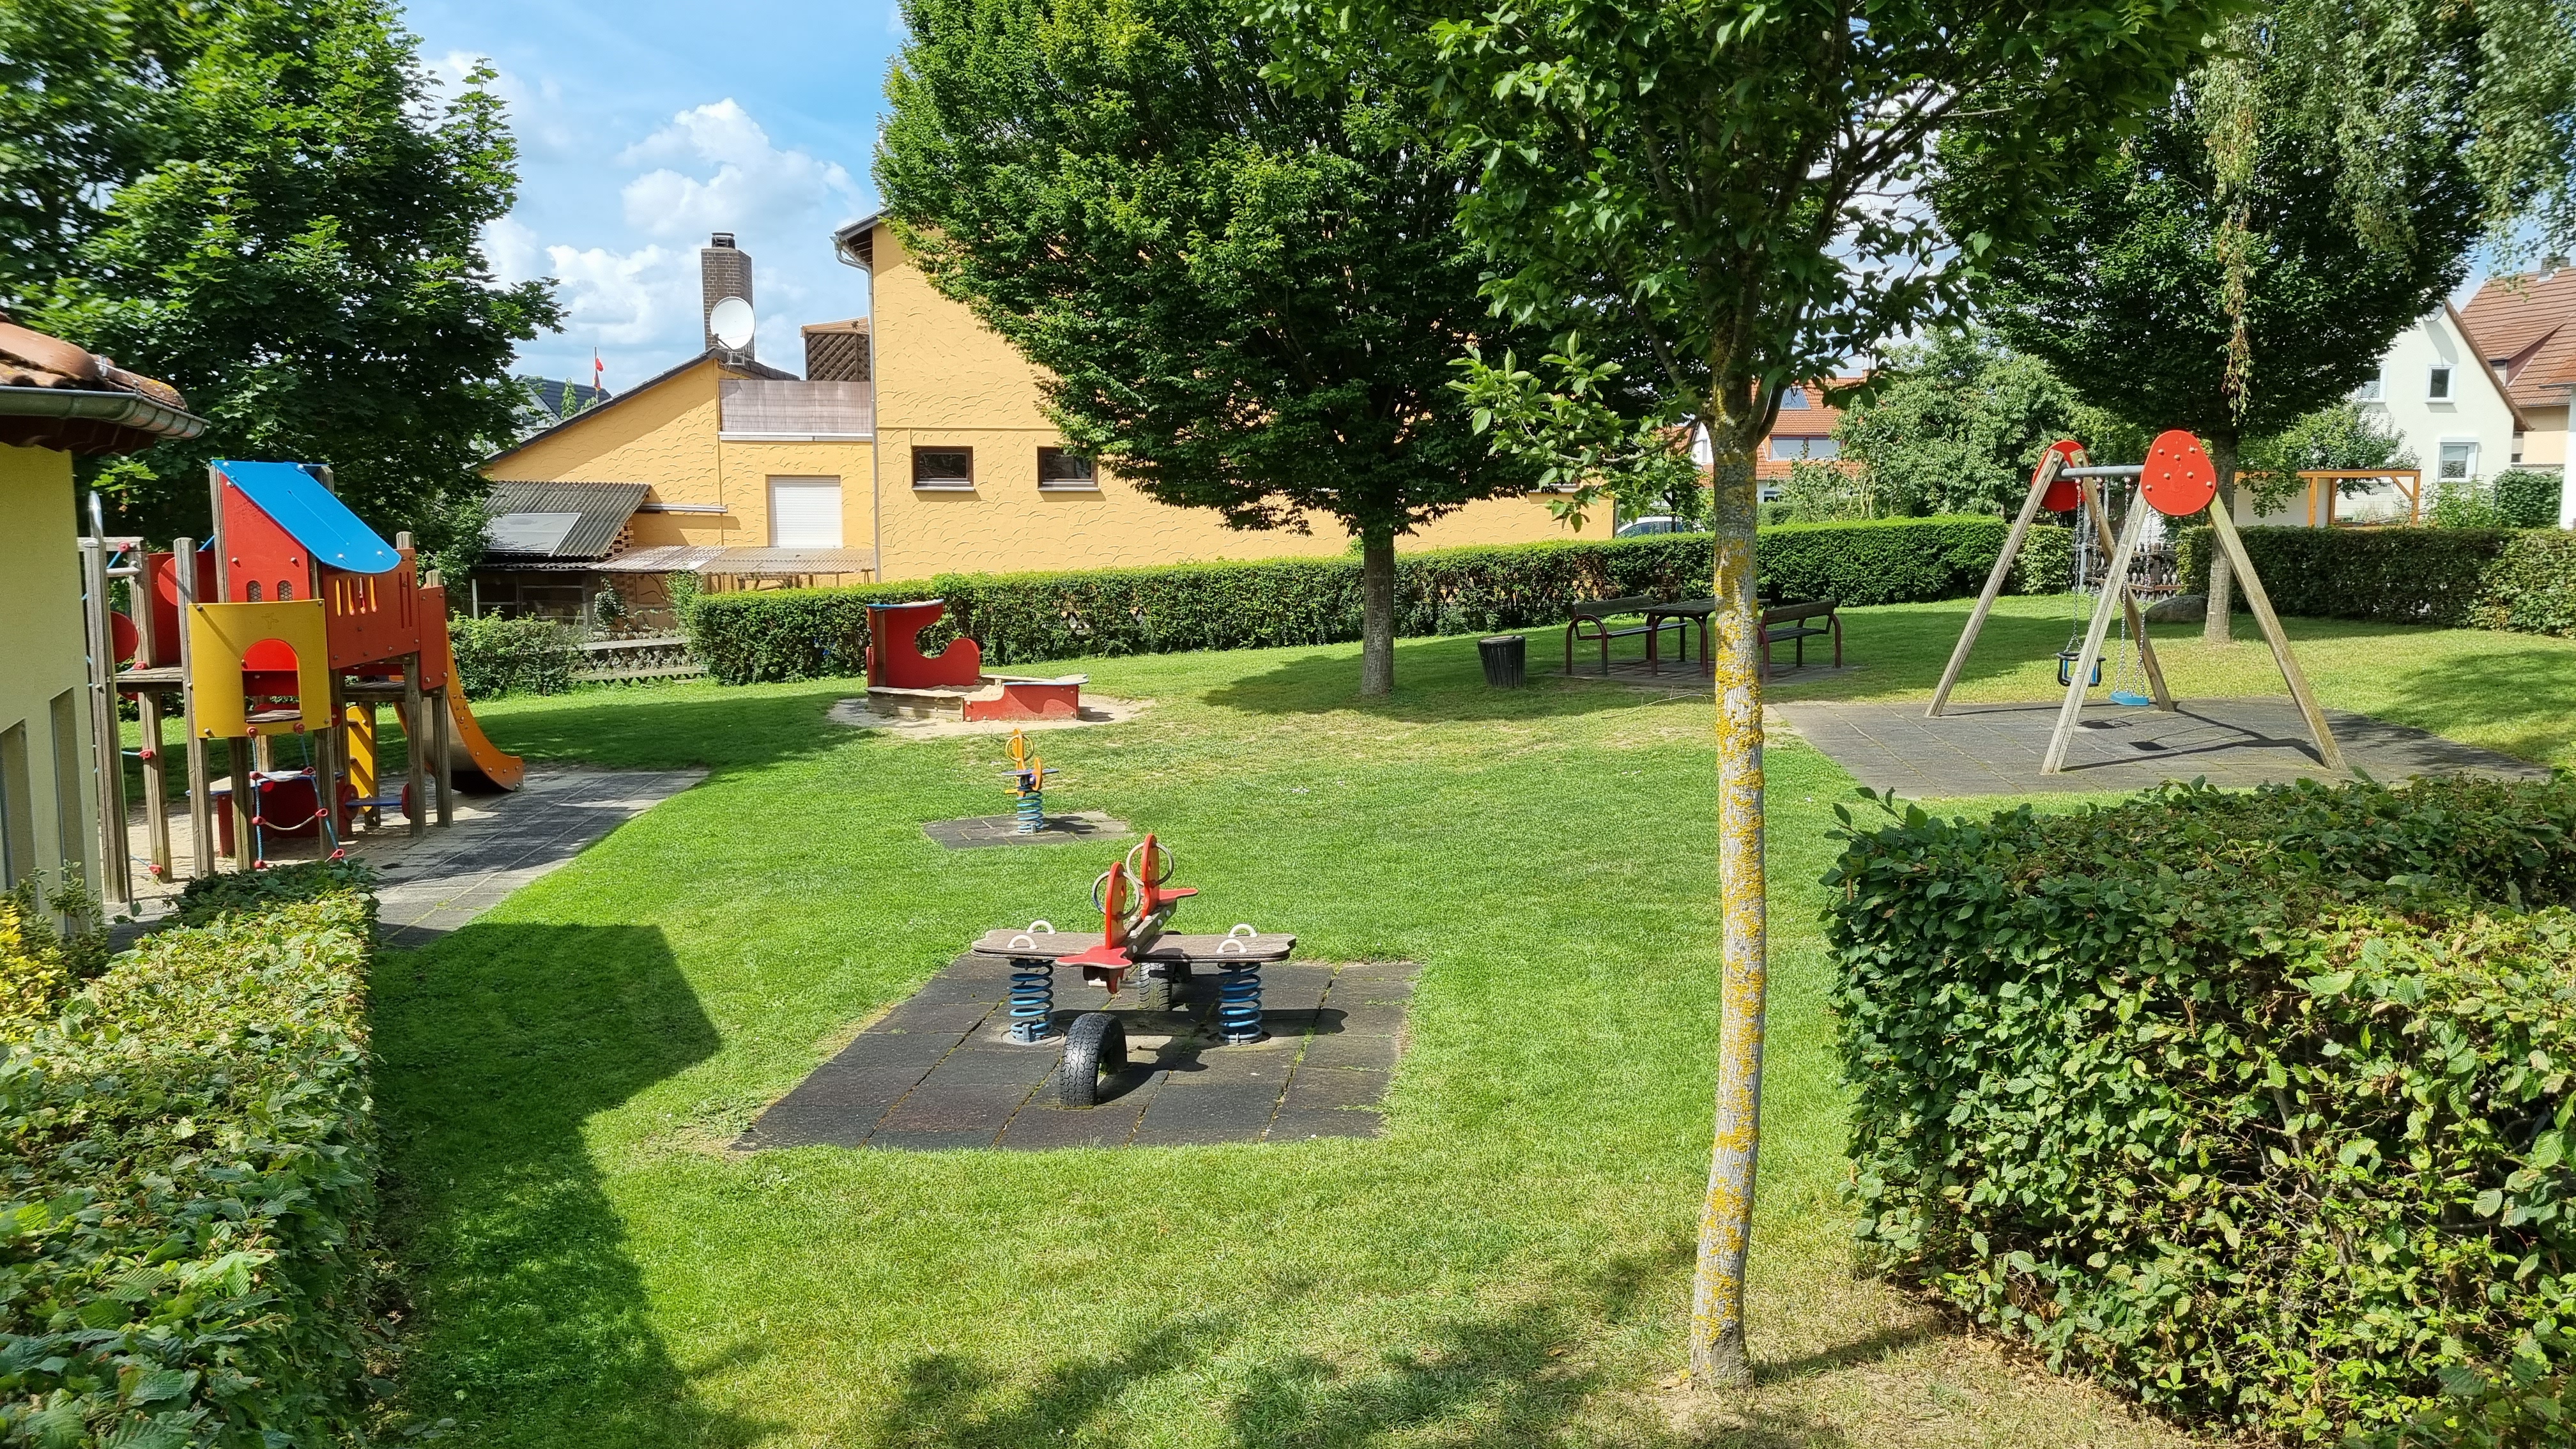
(1095, 1048)
(1163, 988)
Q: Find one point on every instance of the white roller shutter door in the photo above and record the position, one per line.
(805, 513)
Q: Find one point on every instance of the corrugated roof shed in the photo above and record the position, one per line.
(559, 520)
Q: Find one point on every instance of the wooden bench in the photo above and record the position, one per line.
(1591, 624)
(1796, 622)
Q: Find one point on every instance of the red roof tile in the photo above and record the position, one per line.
(2528, 322)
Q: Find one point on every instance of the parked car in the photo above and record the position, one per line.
(1658, 523)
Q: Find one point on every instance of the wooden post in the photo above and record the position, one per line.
(148, 704)
(2137, 619)
(2328, 751)
(438, 747)
(107, 739)
(201, 822)
(415, 715)
(245, 849)
(2039, 481)
(2115, 582)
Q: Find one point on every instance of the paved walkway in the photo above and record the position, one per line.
(498, 843)
(939, 1071)
(1996, 749)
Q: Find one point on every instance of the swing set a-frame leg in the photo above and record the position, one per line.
(2137, 620)
(2039, 481)
(2328, 751)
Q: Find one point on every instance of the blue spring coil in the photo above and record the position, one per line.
(1238, 1005)
(1032, 811)
(1032, 998)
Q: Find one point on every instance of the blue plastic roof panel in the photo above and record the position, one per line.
(312, 515)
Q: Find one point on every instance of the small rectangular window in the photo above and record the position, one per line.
(1805, 448)
(1072, 472)
(17, 808)
(943, 470)
(2370, 391)
(2437, 386)
(2459, 461)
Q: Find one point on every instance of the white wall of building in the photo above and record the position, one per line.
(2442, 399)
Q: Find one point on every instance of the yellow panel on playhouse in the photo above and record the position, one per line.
(228, 642)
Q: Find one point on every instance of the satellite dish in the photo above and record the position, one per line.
(731, 323)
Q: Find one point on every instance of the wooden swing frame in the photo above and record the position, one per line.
(2116, 592)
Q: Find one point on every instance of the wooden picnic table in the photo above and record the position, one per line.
(1780, 623)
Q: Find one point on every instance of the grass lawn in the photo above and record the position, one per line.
(1507, 1265)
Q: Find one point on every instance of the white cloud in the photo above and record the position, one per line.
(754, 185)
(536, 115)
(510, 245)
(625, 298)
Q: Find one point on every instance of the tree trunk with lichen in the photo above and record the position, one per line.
(1718, 1357)
(1377, 612)
(2219, 627)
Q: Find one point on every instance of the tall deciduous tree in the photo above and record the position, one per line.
(1956, 422)
(1732, 180)
(293, 240)
(2312, 191)
(1247, 299)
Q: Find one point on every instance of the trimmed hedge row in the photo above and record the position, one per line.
(2521, 580)
(497, 656)
(190, 1180)
(2256, 1106)
(1017, 619)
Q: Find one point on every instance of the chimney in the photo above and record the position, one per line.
(724, 270)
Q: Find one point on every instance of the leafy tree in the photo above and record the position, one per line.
(1247, 299)
(1956, 422)
(2342, 437)
(2307, 195)
(294, 243)
(1734, 185)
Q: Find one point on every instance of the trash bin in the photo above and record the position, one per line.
(1506, 660)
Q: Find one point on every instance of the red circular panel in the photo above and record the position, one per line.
(2180, 480)
(128, 639)
(2062, 493)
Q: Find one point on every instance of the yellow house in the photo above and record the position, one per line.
(56, 400)
(914, 446)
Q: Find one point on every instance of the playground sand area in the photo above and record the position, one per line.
(856, 714)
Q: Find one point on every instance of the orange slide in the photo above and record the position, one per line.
(473, 761)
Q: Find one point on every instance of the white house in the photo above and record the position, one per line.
(2440, 396)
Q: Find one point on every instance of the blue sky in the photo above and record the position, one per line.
(646, 125)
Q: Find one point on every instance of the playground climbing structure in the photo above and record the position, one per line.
(291, 628)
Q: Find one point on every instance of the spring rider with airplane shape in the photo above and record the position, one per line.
(1136, 901)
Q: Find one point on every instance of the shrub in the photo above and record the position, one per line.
(2527, 498)
(1017, 619)
(2046, 563)
(2252, 1105)
(190, 1183)
(496, 656)
(40, 961)
(2523, 580)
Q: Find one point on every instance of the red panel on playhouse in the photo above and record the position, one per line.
(2179, 479)
(1029, 699)
(2062, 494)
(895, 660)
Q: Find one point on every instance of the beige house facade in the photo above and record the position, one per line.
(915, 445)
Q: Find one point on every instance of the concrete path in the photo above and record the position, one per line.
(1996, 749)
(448, 876)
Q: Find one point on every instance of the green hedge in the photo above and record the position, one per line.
(190, 1182)
(1018, 619)
(2255, 1106)
(497, 656)
(2522, 580)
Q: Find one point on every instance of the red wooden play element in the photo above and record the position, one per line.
(370, 618)
(2063, 493)
(1028, 698)
(2179, 479)
(165, 602)
(1134, 906)
(895, 660)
